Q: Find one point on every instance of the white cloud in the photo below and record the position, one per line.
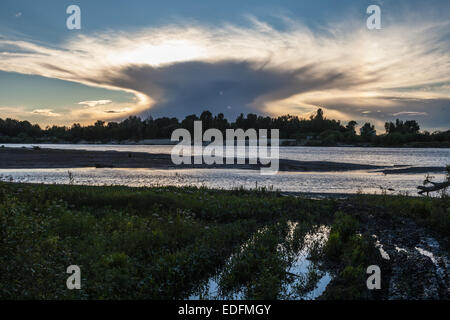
(46, 112)
(409, 113)
(94, 103)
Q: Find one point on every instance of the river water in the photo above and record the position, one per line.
(320, 182)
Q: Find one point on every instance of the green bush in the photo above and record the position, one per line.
(334, 246)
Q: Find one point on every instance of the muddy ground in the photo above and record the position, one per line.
(415, 260)
(23, 158)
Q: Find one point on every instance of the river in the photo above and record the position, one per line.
(313, 182)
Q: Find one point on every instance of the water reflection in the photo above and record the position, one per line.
(310, 182)
(304, 278)
(307, 281)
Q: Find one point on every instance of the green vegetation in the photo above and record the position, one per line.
(350, 253)
(164, 243)
(259, 268)
(315, 131)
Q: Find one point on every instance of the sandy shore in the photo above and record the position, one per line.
(22, 158)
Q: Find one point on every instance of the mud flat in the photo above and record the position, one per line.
(37, 158)
(409, 169)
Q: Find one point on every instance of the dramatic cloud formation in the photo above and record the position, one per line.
(353, 73)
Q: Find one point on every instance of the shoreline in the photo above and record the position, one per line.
(283, 143)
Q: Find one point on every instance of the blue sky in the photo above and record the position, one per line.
(267, 57)
(49, 16)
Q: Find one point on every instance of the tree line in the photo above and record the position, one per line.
(316, 130)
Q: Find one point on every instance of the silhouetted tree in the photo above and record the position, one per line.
(409, 126)
(350, 127)
(367, 130)
(323, 131)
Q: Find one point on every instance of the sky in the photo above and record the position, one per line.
(179, 57)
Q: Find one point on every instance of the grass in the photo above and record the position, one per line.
(161, 243)
(350, 253)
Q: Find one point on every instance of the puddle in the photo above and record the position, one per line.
(427, 254)
(300, 270)
(211, 289)
(440, 261)
(400, 249)
(379, 246)
(302, 267)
